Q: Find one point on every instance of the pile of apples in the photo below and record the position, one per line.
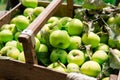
(65, 44)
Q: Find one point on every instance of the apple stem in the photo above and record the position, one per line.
(61, 64)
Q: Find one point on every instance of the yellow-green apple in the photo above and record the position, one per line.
(100, 56)
(91, 38)
(117, 52)
(52, 19)
(10, 27)
(64, 20)
(76, 56)
(111, 20)
(16, 35)
(14, 43)
(4, 49)
(60, 39)
(38, 35)
(28, 12)
(21, 57)
(58, 55)
(103, 46)
(13, 52)
(75, 42)
(105, 78)
(43, 55)
(118, 42)
(21, 22)
(6, 35)
(57, 66)
(37, 44)
(30, 3)
(91, 68)
(38, 10)
(72, 67)
(75, 27)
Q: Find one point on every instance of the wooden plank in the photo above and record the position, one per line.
(113, 77)
(14, 70)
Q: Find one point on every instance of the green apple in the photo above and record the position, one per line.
(58, 55)
(75, 42)
(43, 55)
(28, 12)
(52, 19)
(14, 43)
(37, 44)
(75, 27)
(21, 57)
(76, 56)
(4, 50)
(13, 52)
(30, 3)
(38, 35)
(117, 51)
(38, 10)
(17, 35)
(21, 22)
(111, 20)
(57, 66)
(6, 35)
(100, 56)
(103, 47)
(64, 21)
(72, 67)
(91, 68)
(117, 19)
(91, 38)
(105, 78)
(10, 27)
(59, 39)
(118, 42)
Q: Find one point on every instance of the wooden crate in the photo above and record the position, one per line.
(16, 70)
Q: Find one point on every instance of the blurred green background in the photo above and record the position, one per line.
(2, 4)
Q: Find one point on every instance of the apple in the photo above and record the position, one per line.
(4, 49)
(105, 78)
(100, 56)
(14, 43)
(75, 27)
(75, 42)
(43, 55)
(28, 12)
(58, 55)
(37, 44)
(117, 18)
(13, 52)
(118, 42)
(91, 68)
(38, 10)
(21, 22)
(57, 66)
(91, 38)
(117, 51)
(72, 67)
(104, 37)
(30, 3)
(6, 35)
(21, 57)
(52, 19)
(103, 47)
(65, 20)
(59, 39)
(16, 35)
(76, 56)
(38, 35)
(10, 27)
(111, 20)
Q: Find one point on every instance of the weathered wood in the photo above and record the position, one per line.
(118, 75)
(14, 70)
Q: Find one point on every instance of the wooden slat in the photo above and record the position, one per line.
(14, 70)
(113, 77)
